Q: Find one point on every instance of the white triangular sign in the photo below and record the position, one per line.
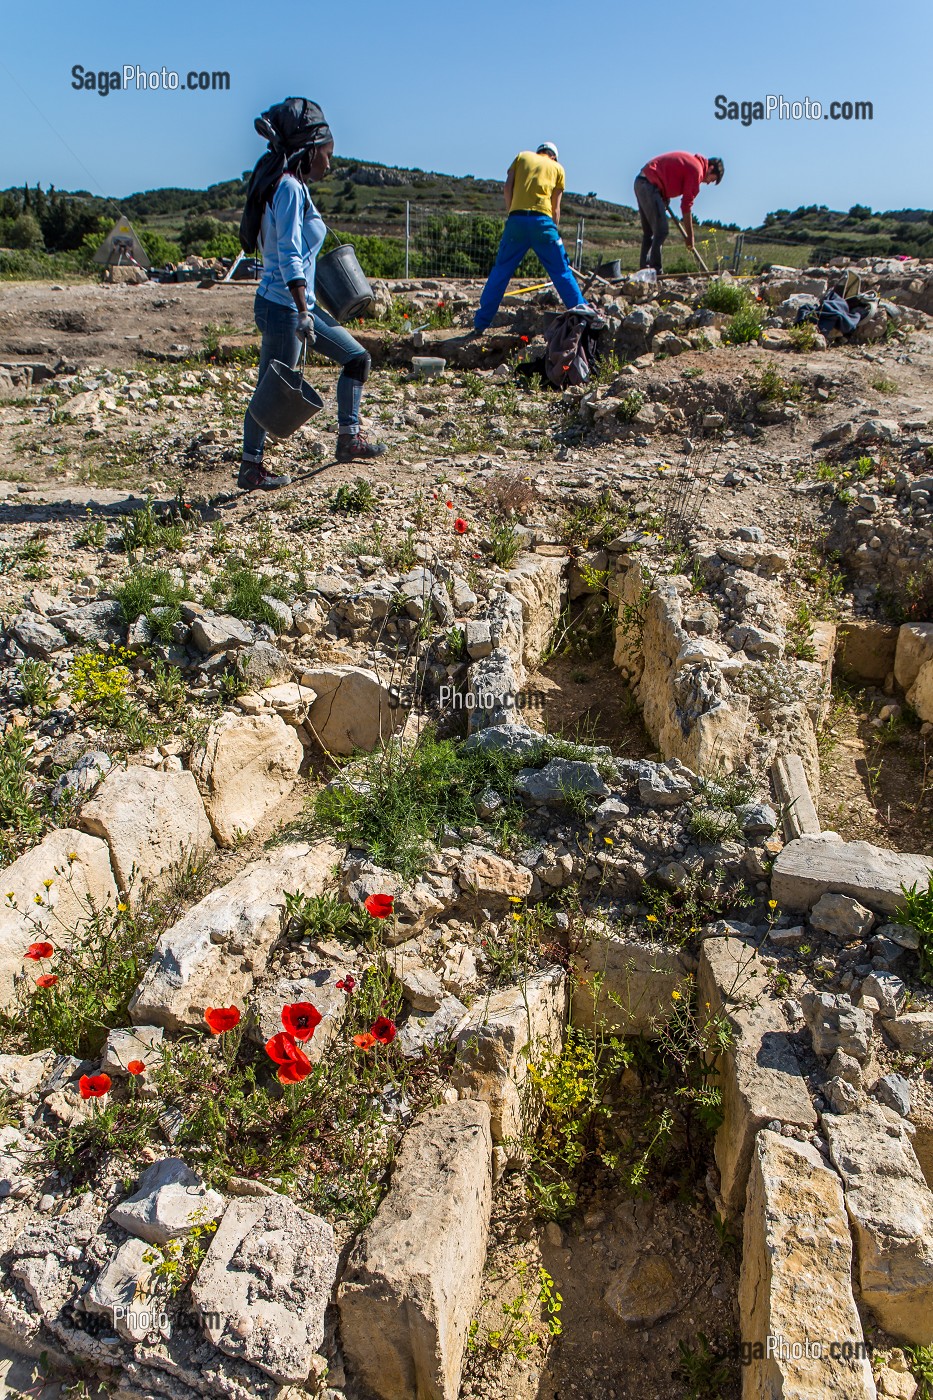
(122, 246)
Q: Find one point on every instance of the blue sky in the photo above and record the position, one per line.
(460, 88)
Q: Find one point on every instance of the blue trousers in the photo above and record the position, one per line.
(280, 341)
(525, 233)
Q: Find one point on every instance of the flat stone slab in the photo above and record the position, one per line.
(412, 1281)
(795, 1285)
(265, 1283)
(213, 955)
(77, 888)
(760, 1076)
(890, 1206)
(635, 985)
(170, 1200)
(810, 867)
(152, 821)
(504, 1032)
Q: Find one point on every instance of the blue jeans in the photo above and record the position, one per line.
(523, 233)
(280, 341)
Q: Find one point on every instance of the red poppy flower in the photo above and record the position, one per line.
(364, 1041)
(346, 984)
(37, 951)
(93, 1086)
(404, 315)
(379, 905)
(48, 979)
(136, 1067)
(293, 1063)
(221, 1018)
(460, 525)
(300, 1019)
(384, 1030)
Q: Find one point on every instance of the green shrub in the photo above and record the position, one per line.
(744, 327)
(159, 250)
(728, 297)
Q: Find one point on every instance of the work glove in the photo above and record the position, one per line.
(305, 328)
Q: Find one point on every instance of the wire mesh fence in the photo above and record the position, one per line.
(451, 243)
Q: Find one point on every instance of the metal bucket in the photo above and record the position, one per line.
(340, 284)
(283, 400)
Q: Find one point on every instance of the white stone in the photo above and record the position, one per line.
(169, 1201)
(153, 822)
(412, 1281)
(759, 1074)
(636, 982)
(78, 887)
(246, 765)
(795, 1282)
(809, 867)
(914, 650)
(354, 709)
(505, 1032)
(265, 1284)
(214, 954)
(891, 1209)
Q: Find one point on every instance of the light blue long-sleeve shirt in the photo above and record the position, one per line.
(292, 235)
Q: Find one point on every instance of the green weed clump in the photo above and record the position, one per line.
(744, 327)
(144, 530)
(154, 595)
(243, 593)
(358, 499)
(400, 802)
(916, 908)
(727, 297)
(20, 815)
(87, 978)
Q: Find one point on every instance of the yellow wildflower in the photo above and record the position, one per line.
(676, 994)
(772, 903)
(37, 898)
(48, 884)
(121, 908)
(608, 840)
(651, 918)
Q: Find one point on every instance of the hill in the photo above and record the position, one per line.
(454, 223)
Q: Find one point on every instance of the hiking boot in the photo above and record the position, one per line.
(354, 447)
(254, 477)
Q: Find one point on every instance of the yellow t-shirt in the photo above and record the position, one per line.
(536, 179)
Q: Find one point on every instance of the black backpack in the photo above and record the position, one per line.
(288, 126)
(571, 348)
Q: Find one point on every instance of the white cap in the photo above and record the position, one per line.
(547, 148)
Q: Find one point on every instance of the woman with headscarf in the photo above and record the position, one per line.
(281, 215)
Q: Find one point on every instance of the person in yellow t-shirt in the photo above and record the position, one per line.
(532, 194)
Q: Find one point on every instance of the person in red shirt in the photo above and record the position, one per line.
(676, 175)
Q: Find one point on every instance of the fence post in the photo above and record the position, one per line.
(407, 235)
(737, 251)
(578, 250)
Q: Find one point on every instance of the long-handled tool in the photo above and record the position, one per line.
(683, 235)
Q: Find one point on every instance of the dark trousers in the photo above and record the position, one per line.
(654, 225)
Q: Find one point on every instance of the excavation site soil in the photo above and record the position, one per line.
(467, 918)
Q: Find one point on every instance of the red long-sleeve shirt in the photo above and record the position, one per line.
(678, 175)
